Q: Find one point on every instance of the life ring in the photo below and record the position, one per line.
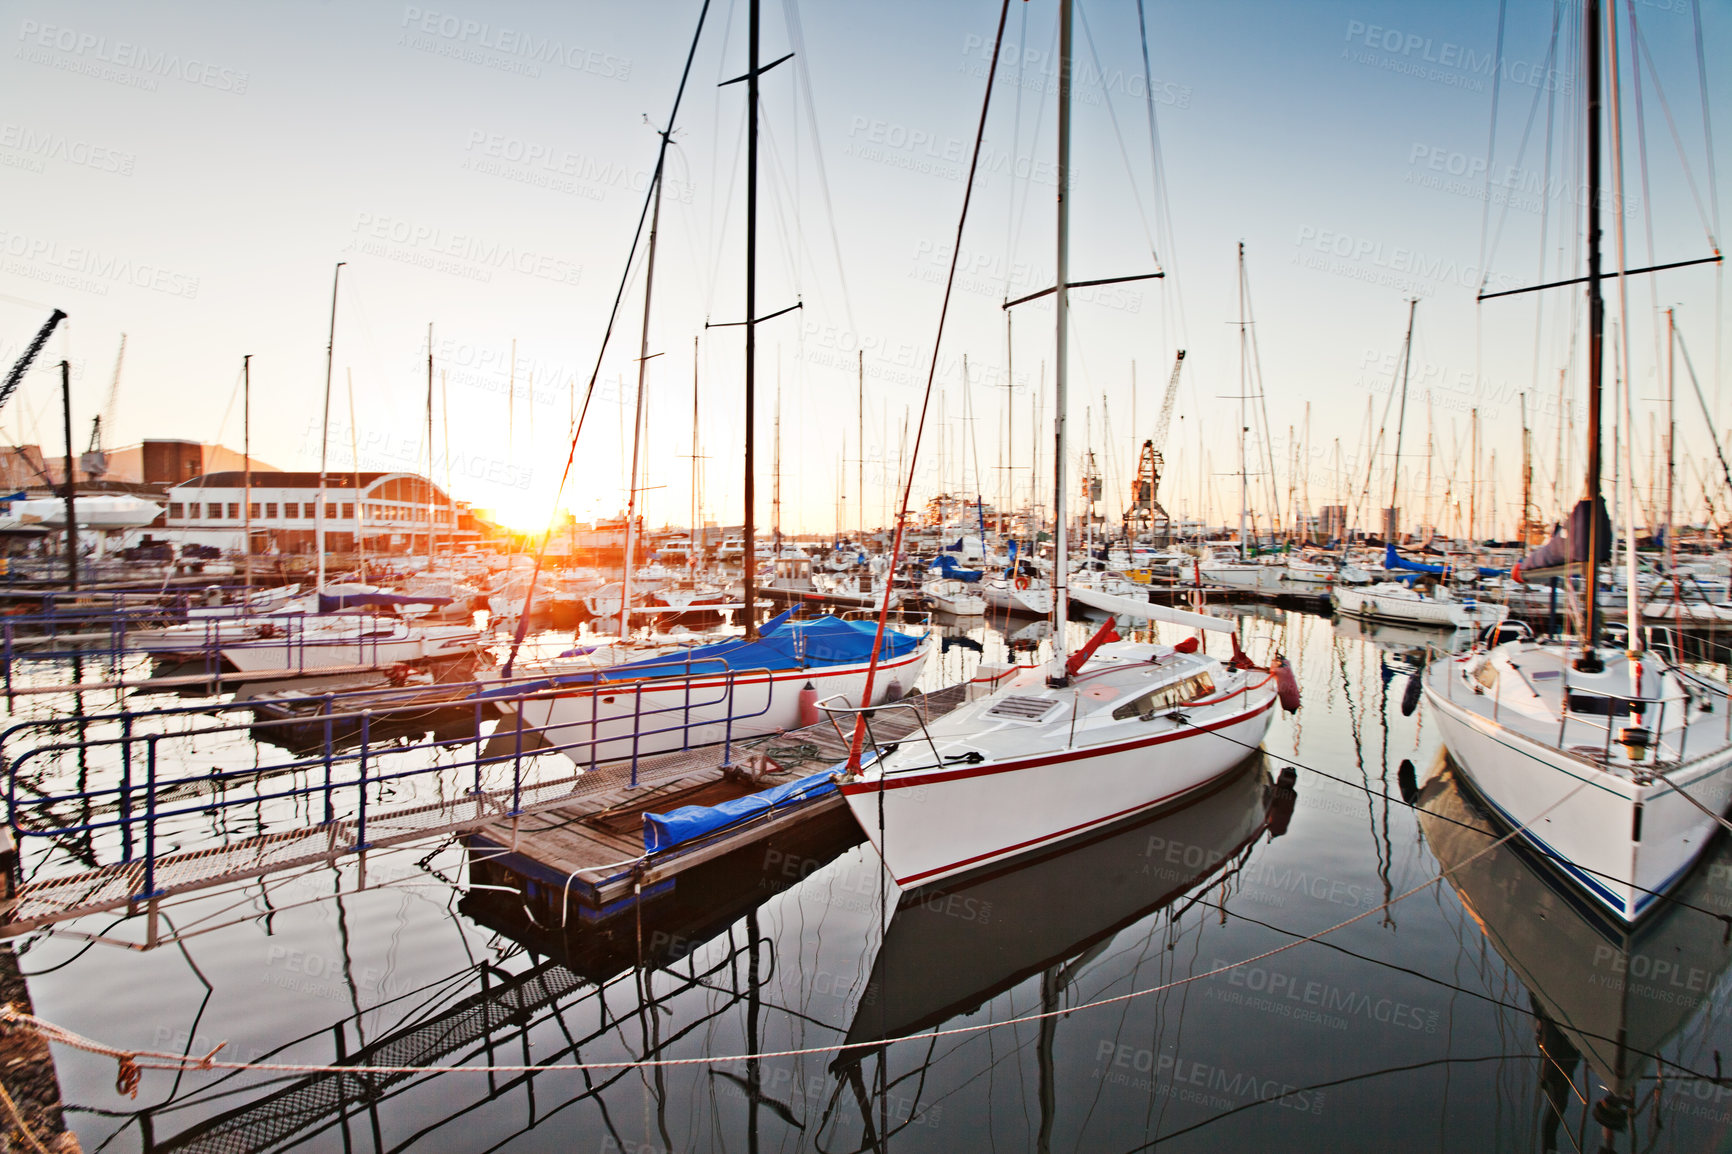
(1021, 583)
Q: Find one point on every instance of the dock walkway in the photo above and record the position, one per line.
(495, 813)
(578, 857)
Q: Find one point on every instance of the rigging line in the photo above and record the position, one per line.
(1163, 205)
(1521, 151)
(1677, 142)
(926, 401)
(797, 41)
(1642, 167)
(1021, 213)
(162, 1060)
(1118, 135)
(1491, 132)
(650, 195)
(1012, 221)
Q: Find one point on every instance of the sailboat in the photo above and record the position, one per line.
(1113, 731)
(1616, 766)
(741, 687)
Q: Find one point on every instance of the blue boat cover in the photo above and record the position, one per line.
(781, 644)
(331, 602)
(952, 569)
(1394, 560)
(665, 830)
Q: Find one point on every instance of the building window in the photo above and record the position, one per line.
(270, 510)
(174, 510)
(234, 510)
(253, 509)
(348, 511)
(213, 510)
(330, 511)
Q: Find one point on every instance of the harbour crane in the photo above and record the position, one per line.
(1145, 508)
(31, 351)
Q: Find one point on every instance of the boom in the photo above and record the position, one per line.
(30, 354)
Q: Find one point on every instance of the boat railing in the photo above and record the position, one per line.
(918, 708)
(350, 759)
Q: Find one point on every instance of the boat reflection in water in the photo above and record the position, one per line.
(1602, 994)
(950, 948)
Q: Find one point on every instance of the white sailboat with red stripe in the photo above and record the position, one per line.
(1135, 728)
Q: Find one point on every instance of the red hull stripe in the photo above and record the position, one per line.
(1052, 759)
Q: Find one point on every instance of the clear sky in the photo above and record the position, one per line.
(189, 174)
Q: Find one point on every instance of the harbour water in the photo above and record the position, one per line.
(1300, 960)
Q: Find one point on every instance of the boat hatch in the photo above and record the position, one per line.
(1167, 696)
(1027, 709)
(1595, 703)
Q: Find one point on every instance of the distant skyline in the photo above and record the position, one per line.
(190, 174)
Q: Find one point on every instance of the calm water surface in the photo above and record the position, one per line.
(1479, 1011)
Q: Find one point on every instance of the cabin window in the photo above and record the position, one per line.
(1596, 704)
(270, 510)
(1167, 696)
(174, 509)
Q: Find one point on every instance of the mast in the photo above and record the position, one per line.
(860, 442)
(71, 479)
(1596, 327)
(325, 431)
(1527, 473)
(247, 461)
(643, 359)
(1061, 308)
(691, 550)
(429, 452)
(1244, 418)
(1633, 643)
(355, 464)
(1671, 443)
(750, 553)
(1390, 530)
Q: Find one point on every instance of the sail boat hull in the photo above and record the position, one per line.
(955, 820)
(1623, 843)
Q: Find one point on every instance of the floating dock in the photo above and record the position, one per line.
(586, 860)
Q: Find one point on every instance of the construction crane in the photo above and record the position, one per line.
(1145, 508)
(94, 461)
(31, 351)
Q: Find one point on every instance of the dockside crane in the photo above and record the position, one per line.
(1146, 510)
(31, 351)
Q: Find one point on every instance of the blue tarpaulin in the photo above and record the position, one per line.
(331, 602)
(952, 569)
(1394, 560)
(781, 644)
(664, 830)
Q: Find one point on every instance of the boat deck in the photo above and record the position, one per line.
(579, 858)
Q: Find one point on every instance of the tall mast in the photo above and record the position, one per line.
(1671, 458)
(1061, 308)
(860, 442)
(429, 451)
(325, 431)
(1527, 473)
(71, 479)
(1596, 322)
(247, 461)
(643, 359)
(1633, 643)
(691, 551)
(750, 553)
(1390, 530)
(1244, 418)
